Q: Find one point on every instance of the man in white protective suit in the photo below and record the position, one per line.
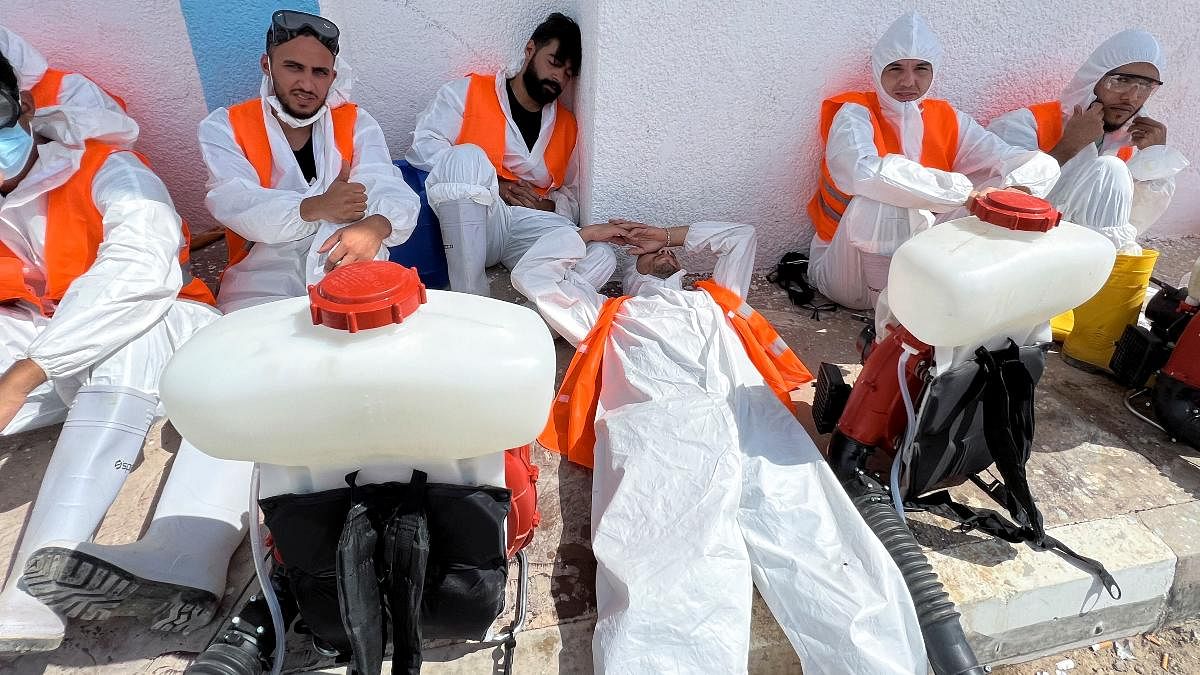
(96, 296)
(500, 150)
(704, 482)
(1118, 175)
(54, 87)
(301, 177)
(893, 159)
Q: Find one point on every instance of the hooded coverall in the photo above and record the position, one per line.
(894, 197)
(1097, 190)
(705, 486)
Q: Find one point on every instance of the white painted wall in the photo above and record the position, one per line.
(688, 110)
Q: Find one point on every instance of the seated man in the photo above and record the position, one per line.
(1118, 175)
(96, 295)
(500, 151)
(300, 176)
(892, 159)
(53, 87)
(704, 481)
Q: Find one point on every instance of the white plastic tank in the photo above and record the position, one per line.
(1010, 265)
(369, 367)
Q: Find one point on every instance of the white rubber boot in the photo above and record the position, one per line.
(464, 234)
(174, 576)
(99, 443)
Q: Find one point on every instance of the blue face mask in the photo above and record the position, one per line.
(15, 146)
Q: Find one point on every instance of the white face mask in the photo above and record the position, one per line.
(15, 145)
(267, 91)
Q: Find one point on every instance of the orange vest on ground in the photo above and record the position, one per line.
(571, 431)
(939, 147)
(74, 231)
(250, 132)
(485, 125)
(48, 90)
(1048, 117)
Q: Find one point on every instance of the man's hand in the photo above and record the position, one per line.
(360, 241)
(522, 193)
(1082, 128)
(1146, 132)
(646, 239)
(16, 383)
(610, 232)
(343, 202)
(976, 194)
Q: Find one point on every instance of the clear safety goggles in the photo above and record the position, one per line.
(1121, 83)
(10, 109)
(287, 24)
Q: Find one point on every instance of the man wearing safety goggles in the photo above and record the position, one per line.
(301, 177)
(1118, 176)
(500, 152)
(1117, 171)
(95, 295)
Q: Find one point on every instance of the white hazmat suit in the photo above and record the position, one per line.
(478, 227)
(103, 348)
(705, 484)
(894, 196)
(283, 260)
(1098, 190)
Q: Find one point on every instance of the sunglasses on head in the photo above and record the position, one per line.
(287, 24)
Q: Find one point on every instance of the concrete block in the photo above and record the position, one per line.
(1018, 603)
(1179, 527)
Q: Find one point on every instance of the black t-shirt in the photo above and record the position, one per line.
(307, 161)
(530, 123)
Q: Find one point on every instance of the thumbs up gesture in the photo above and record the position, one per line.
(343, 202)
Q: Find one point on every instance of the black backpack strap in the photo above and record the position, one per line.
(358, 591)
(406, 557)
(992, 523)
(1008, 428)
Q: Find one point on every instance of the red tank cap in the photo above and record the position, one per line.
(1016, 211)
(366, 294)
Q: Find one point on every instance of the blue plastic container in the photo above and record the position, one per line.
(423, 250)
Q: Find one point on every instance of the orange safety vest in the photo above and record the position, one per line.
(48, 90)
(74, 232)
(250, 131)
(570, 431)
(485, 125)
(939, 147)
(1048, 118)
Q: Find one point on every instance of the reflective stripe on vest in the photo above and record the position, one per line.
(250, 132)
(74, 232)
(48, 91)
(570, 431)
(1048, 121)
(779, 366)
(939, 147)
(571, 428)
(485, 125)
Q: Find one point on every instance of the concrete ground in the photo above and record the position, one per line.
(1109, 486)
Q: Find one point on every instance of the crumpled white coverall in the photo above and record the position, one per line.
(1098, 190)
(895, 197)
(705, 484)
(462, 173)
(105, 119)
(283, 260)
